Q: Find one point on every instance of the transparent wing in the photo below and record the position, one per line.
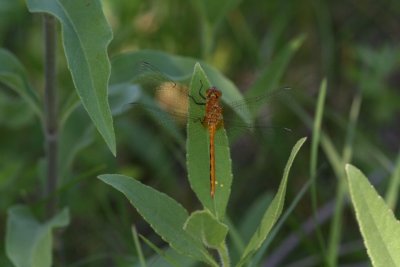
(171, 101)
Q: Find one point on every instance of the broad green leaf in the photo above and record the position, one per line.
(126, 69)
(273, 212)
(86, 36)
(378, 226)
(13, 75)
(198, 154)
(164, 214)
(28, 241)
(203, 226)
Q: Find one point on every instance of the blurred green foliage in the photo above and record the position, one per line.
(355, 44)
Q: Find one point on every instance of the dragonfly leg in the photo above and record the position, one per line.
(196, 101)
(201, 93)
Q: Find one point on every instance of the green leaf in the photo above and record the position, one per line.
(198, 154)
(164, 214)
(29, 242)
(86, 36)
(13, 75)
(253, 215)
(273, 212)
(203, 226)
(378, 226)
(315, 142)
(392, 194)
(138, 247)
(284, 218)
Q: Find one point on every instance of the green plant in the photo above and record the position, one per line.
(53, 210)
(192, 235)
(378, 226)
(29, 242)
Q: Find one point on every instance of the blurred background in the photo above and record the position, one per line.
(354, 44)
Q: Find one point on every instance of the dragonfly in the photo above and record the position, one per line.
(213, 119)
(173, 97)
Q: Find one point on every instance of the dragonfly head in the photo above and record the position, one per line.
(213, 93)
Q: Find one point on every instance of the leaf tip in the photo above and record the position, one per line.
(103, 177)
(111, 143)
(349, 168)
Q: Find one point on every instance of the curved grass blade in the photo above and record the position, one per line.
(167, 257)
(392, 194)
(273, 212)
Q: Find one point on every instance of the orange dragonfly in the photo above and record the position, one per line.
(212, 120)
(173, 98)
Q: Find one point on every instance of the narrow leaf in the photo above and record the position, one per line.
(315, 142)
(378, 226)
(272, 74)
(76, 135)
(198, 153)
(164, 214)
(392, 194)
(167, 257)
(138, 247)
(86, 35)
(203, 226)
(29, 242)
(273, 212)
(253, 216)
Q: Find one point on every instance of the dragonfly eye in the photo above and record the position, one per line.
(213, 92)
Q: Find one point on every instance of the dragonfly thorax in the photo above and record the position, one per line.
(213, 112)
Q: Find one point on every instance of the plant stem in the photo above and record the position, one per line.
(138, 247)
(224, 255)
(336, 227)
(315, 143)
(50, 113)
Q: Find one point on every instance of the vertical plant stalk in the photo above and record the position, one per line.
(313, 162)
(224, 255)
(336, 226)
(50, 113)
